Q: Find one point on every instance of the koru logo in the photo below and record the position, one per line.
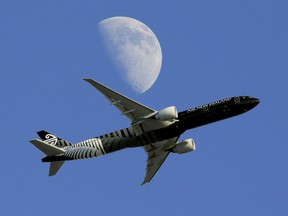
(51, 139)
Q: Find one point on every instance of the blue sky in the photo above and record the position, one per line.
(211, 50)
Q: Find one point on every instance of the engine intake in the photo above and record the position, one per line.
(169, 113)
(185, 146)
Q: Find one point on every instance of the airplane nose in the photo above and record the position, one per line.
(252, 100)
(256, 101)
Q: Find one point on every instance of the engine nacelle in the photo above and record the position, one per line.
(185, 146)
(169, 113)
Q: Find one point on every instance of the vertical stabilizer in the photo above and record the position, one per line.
(52, 139)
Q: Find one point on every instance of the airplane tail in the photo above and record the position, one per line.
(52, 139)
(51, 145)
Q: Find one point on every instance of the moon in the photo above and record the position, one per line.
(134, 49)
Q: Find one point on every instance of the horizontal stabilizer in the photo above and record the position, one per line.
(54, 167)
(46, 148)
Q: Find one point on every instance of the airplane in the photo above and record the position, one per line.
(156, 131)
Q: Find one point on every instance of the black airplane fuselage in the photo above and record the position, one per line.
(199, 116)
(188, 119)
(216, 111)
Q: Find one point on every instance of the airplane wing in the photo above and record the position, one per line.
(156, 157)
(132, 109)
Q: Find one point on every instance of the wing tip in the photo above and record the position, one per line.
(89, 80)
(144, 182)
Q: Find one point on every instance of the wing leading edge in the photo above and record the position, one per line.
(134, 110)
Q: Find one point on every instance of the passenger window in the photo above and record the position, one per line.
(206, 108)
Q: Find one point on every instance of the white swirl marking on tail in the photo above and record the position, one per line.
(51, 139)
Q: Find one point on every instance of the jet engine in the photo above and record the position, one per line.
(169, 113)
(185, 146)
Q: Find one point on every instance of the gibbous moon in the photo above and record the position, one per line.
(135, 50)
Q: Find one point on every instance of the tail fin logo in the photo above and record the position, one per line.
(51, 139)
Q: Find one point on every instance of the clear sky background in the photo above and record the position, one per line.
(211, 50)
